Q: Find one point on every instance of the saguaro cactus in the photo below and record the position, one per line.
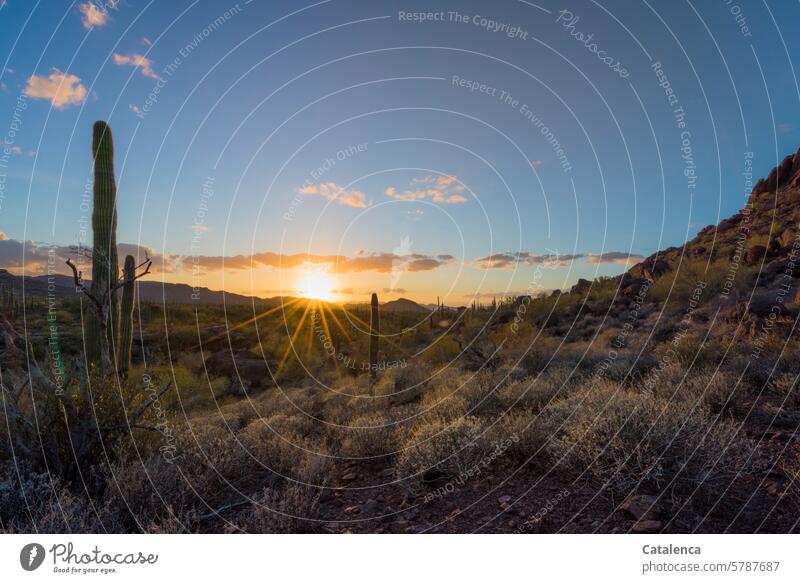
(105, 269)
(374, 333)
(126, 314)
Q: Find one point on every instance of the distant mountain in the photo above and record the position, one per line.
(62, 286)
(404, 305)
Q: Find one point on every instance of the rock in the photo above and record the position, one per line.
(786, 174)
(753, 255)
(387, 473)
(400, 526)
(434, 478)
(654, 268)
(581, 287)
(370, 505)
(504, 500)
(647, 526)
(633, 286)
(640, 506)
(348, 477)
(352, 509)
(763, 304)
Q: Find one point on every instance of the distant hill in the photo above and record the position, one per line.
(156, 291)
(404, 305)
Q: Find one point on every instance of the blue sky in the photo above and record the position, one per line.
(558, 152)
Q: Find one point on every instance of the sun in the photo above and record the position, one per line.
(316, 285)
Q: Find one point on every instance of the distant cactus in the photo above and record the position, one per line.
(126, 315)
(374, 332)
(105, 271)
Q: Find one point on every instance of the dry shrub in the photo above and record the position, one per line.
(535, 393)
(289, 508)
(524, 433)
(620, 438)
(715, 391)
(33, 502)
(370, 436)
(452, 447)
(784, 385)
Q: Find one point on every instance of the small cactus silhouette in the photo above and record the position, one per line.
(374, 332)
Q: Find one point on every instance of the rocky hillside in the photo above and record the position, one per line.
(764, 234)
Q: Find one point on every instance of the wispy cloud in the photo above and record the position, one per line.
(94, 15)
(439, 189)
(61, 89)
(511, 260)
(144, 64)
(334, 192)
(614, 257)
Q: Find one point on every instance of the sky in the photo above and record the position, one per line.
(453, 149)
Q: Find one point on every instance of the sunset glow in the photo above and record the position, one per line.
(317, 285)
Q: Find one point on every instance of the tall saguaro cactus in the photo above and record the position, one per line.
(105, 271)
(374, 333)
(126, 314)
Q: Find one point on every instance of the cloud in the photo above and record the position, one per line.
(614, 257)
(144, 64)
(510, 260)
(34, 256)
(147, 42)
(505, 294)
(397, 290)
(94, 15)
(16, 150)
(442, 189)
(333, 191)
(60, 89)
(134, 108)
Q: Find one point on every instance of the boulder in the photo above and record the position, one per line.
(581, 287)
(654, 268)
(786, 174)
(633, 286)
(641, 507)
(753, 255)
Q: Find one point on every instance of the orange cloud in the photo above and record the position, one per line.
(442, 189)
(144, 64)
(58, 88)
(333, 191)
(93, 15)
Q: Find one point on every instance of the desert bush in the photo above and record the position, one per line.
(784, 385)
(524, 433)
(441, 351)
(291, 507)
(451, 447)
(32, 502)
(621, 439)
(370, 436)
(713, 390)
